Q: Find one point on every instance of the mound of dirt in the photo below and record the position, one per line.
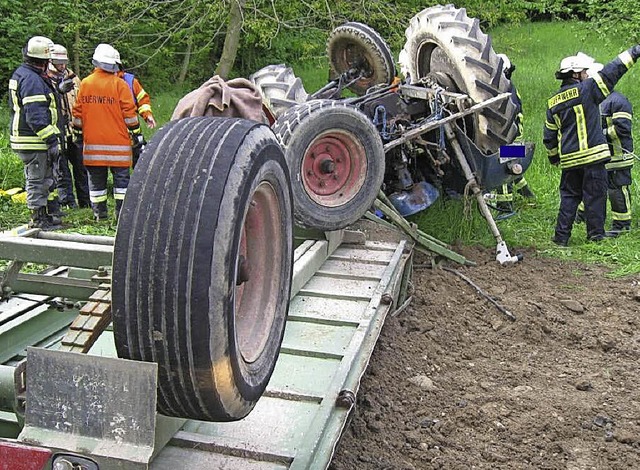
(454, 384)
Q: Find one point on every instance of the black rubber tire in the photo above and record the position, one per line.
(356, 45)
(280, 87)
(208, 204)
(336, 189)
(442, 41)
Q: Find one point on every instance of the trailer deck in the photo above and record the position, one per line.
(343, 288)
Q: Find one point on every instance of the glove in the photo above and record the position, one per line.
(53, 152)
(65, 86)
(138, 141)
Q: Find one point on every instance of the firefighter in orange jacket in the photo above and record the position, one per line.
(106, 114)
(143, 106)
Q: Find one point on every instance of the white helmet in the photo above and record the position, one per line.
(59, 55)
(576, 63)
(39, 47)
(118, 61)
(104, 57)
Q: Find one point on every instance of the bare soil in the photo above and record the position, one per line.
(454, 384)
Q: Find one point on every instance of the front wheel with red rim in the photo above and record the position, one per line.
(336, 161)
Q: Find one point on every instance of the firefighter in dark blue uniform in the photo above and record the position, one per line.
(574, 140)
(617, 116)
(33, 127)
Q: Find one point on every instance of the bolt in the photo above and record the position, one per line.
(321, 183)
(346, 399)
(309, 173)
(327, 166)
(386, 299)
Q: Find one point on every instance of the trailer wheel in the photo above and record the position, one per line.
(356, 46)
(336, 162)
(280, 87)
(202, 265)
(443, 42)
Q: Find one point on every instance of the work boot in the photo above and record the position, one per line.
(53, 209)
(100, 211)
(83, 203)
(70, 203)
(560, 241)
(579, 217)
(40, 219)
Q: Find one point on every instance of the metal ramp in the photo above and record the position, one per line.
(343, 288)
(334, 322)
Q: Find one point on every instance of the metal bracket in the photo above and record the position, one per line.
(94, 406)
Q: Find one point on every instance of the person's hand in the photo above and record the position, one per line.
(151, 123)
(65, 86)
(53, 152)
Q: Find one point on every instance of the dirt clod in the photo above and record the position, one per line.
(508, 394)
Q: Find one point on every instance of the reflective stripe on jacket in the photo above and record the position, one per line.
(106, 113)
(33, 110)
(617, 116)
(572, 131)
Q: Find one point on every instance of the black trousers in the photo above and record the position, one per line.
(620, 198)
(588, 184)
(72, 155)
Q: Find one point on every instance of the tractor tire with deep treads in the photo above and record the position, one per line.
(443, 42)
(202, 265)
(280, 88)
(336, 161)
(358, 46)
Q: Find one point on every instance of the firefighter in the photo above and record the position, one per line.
(574, 140)
(504, 195)
(106, 115)
(34, 134)
(143, 106)
(68, 84)
(617, 116)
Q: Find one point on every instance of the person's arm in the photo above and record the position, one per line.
(550, 139)
(36, 104)
(606, 79)
(144, 103)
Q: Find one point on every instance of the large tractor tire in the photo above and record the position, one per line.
(445, 44)
(202, 265)
(358, 48)
(280, 88)
(336, 161)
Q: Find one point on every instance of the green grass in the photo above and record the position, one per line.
(536, 49)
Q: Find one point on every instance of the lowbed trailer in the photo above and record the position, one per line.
(95, 411)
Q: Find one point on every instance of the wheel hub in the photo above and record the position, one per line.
(333, 168)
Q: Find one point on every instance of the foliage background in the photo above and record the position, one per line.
(153, 37)
(156, 36)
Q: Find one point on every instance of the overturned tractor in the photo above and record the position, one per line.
(441, 129)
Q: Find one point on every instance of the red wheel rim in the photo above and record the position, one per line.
(257, 274)
(334, 168)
